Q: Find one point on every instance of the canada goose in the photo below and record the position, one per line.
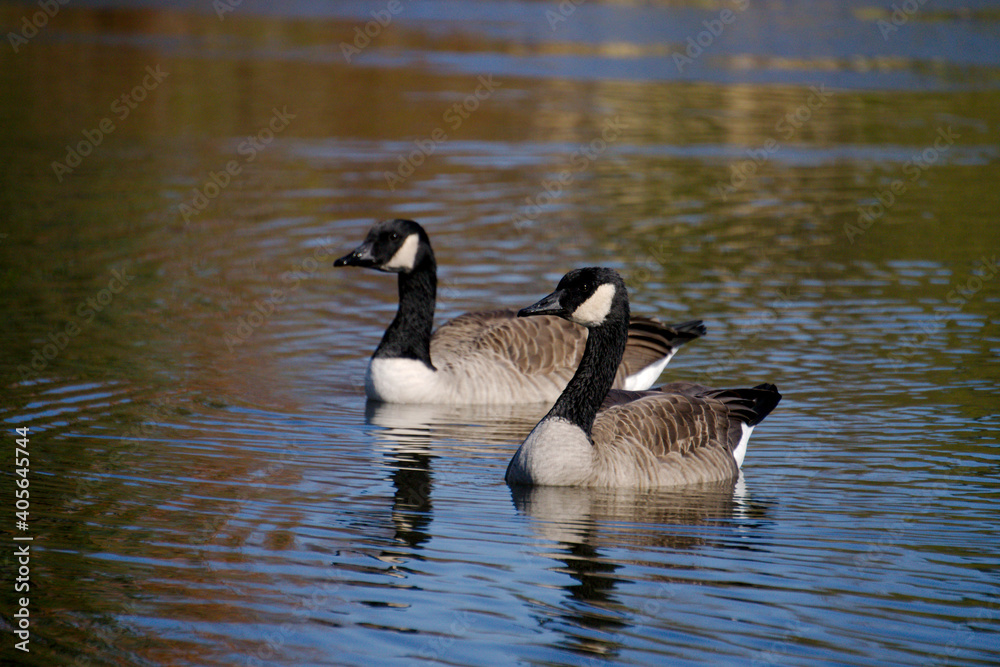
(490, 357)
(639, 440)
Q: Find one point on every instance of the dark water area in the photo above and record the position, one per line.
(818, 182)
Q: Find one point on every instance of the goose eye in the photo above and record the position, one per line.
(394, 236)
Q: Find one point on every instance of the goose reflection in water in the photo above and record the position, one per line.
(577, 524)
(407, 451)
(405, 426)
(407, 434)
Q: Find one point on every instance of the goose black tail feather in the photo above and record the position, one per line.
(655, 333)
(691, 329)
(751, 406)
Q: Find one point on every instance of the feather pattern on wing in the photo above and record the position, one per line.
(537, 356)
(665, 439)
(547, 345)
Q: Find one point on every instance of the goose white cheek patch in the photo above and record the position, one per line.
(406, 257)
(593, 311)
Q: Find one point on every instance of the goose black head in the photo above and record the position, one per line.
(586, 296)
(396, 246)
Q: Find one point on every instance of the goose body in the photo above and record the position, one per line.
(600, 437)
(485, 357)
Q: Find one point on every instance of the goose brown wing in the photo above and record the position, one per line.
(551, 345)
(684, 409)
(534, 345)
(665, 423)
(458, 336)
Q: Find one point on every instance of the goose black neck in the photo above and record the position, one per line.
(593, 379)
(409, 335)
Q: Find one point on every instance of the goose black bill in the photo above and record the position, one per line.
(550, 305)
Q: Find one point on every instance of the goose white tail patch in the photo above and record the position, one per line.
(741, 449)
(647, 376)
(405, 258)
(593, 311)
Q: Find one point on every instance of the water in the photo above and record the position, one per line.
(207, 484)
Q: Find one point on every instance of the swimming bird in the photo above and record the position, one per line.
(485, 357)
(599, 437)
